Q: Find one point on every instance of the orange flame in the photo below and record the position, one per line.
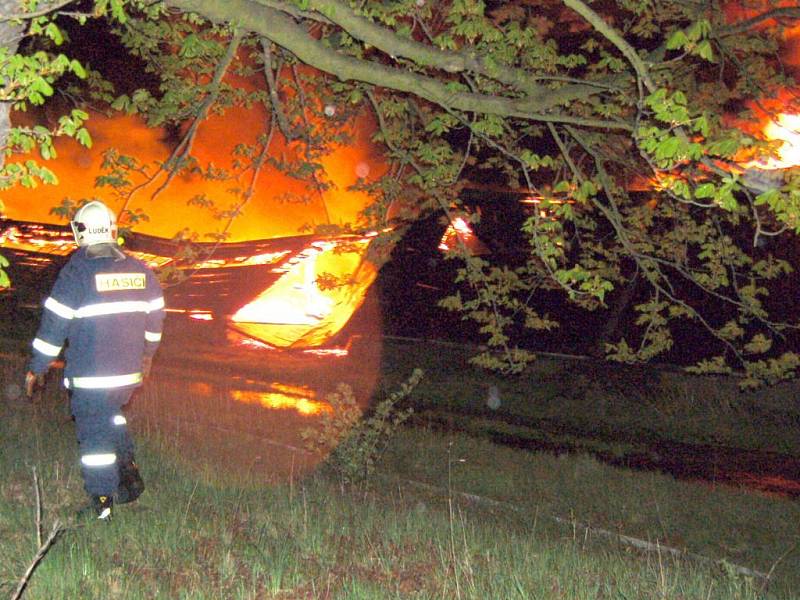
(785, 129)
(201, 316)
(458, 231)
(459, 235)
(297, 311)
(280, 205)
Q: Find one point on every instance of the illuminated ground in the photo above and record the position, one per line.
(239, 408)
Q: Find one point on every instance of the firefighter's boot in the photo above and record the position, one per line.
(99, 508)
(102, 507)
(131, 485)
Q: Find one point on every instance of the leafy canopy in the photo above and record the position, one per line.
(629, 121)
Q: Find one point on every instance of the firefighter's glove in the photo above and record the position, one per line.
(147, 363)
(32, 382)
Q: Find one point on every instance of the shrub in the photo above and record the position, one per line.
(353, 440)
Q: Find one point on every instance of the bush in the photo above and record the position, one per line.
(352, 440)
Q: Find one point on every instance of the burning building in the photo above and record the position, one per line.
(277, 262)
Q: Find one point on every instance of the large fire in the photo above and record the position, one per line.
(319, 280)
(280, 205)
(297, 311)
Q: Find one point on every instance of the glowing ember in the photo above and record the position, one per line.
(201, 316)
(153, 261)
(296, 390)
(37, 239)
(201, 388)
(254, 343)
(337, 352)
(458, 231)
(267, 258)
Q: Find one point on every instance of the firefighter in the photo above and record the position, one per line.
(108, 308)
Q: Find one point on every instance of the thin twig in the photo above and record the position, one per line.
(38, 508)
(319, 186)
(272, 86)
(43, 550)
(774, 566)
(787, 12)
(182, 150)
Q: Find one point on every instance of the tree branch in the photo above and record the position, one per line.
(615, 38)
(318, 185)
(785, 12)
(182, 150)
(272, 87)
(40, 554)
(394, 45)
(284, 32)
(653, 264)
(48, 8)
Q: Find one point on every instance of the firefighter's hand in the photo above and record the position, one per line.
(33, 381)
(147, 363)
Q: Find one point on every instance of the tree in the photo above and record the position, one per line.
(575, 102)
(29, 68)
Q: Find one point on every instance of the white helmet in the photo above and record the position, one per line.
(94, 223)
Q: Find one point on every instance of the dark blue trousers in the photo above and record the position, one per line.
(103, 437)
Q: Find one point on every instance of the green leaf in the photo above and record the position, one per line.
(77, 68)
(704, 50)
(705, 190)
(668, 148)
(677, 40)
(758, 345)
(83, 137)
(54, 33)
(122, 103)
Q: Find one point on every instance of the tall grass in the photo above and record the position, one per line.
(198, 532)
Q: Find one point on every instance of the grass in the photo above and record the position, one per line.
(598, 406)
(211, 529)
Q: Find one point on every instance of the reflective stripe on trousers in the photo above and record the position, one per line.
(98, 460)
(103, 383)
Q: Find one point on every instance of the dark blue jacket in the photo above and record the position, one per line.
(109, 307)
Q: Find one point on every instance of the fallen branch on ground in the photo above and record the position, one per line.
(37, 489)
(626, 540)
(44, 547)
(43, 550)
